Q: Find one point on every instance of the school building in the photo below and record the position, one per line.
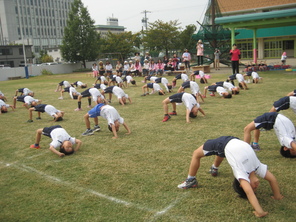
(262, 29)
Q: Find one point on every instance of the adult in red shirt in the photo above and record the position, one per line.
(235, 57)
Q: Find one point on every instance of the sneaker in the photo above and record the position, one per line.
(88, 106)
(38, 118)
(214, 171)
(188, 183)
(143, 94)
(203, 96)
(166, 118)
(96, 128)
(109, 100)
(255, 147)
(212, 94)
(174, 113)
(34, 147)
(77, 109)
(61, 97)
(88, 132)
(30, 121)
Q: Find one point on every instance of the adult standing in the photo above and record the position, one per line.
(200, 52)
(186, 59)
(217, 54)
(235, 57)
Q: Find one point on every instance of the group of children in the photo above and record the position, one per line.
(239, 153)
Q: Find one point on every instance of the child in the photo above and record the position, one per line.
(2, 97)
(283, 128)
(155, 88)
(79, 84)
(118, 92)
(192, 106)
(220, 90)
(194, 87)
(163, 81)
(66, 84)
(182, 76)
(24, 92)
(293, 93)
(227, 85)
(91, 92)
(49, 109)
(4, 106)
(60, 138)
(256, 77)
(245, 166)
(284, 103)
(201, 75)
(110, 114)
(27, 100)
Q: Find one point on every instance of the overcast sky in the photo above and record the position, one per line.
(130, 12)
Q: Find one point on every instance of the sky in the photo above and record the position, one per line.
(131, 12)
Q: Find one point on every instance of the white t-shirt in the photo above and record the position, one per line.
(129, 79)
(29, 99)
(1, 94)
(3, 104)
(58, 136)
(111, 115)
(189, 101)
(26, 91)
(66, 84)
(293, 103)
(220, 90)
(95, 93)
(73, 90)
(79, 83)
(243, 160)
(118, 92)
(51, 110)
(118, 79)
(240, 77)
(284, 130)
(229, 86)
(156, 87)
(194, 87)
(201, 74)
(255, 75)
(184, 77)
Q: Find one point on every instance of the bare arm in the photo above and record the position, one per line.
(187, 116)
(56, 152)
(78, 144)
(127, 128)
(274, 186)
(259, 212)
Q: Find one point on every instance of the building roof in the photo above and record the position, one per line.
(227, 6)
(277, 18)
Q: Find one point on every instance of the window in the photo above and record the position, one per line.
(21, 52)
(6, 51)
(289, 44)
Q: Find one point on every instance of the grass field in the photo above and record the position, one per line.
(135, 177)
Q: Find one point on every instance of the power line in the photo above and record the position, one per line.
(145, 19)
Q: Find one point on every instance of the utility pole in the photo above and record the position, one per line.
(145, 19)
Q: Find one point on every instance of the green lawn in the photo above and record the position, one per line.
(135, 177)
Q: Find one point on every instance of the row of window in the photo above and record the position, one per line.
(272, 49)
(46, 3)
(42, 22)
(41, 12)
(54, 32)
(9, 51)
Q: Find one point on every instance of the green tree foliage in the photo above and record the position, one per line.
(80, 37)
(44, 57)
(185, 39)
(121, 45)
(162, 36)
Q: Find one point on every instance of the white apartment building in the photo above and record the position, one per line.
(39, 23)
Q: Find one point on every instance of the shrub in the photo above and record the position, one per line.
(46, 72)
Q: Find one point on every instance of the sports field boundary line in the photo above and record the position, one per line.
(156, 213)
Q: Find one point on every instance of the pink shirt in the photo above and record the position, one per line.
(200, 49)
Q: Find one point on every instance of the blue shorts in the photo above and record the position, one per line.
(176, 98)
(96, 111)
(282, 103)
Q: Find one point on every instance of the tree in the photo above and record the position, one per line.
(186, 40)
(80, 40)
(122, 45)
(161, 36)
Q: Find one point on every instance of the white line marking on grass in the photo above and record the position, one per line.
(173, 204)
(110, 198)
